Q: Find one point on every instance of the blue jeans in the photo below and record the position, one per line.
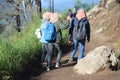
(81, 45)
(59, 54)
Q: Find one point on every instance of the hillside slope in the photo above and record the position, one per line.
(105, 18)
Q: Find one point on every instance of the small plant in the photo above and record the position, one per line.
(17, 49)
(118, 1)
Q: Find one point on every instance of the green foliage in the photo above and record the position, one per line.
(118, 1)
(65, 34)
(17, 50)
(64, 15)
(85, 6)
(88, 7)
(78, 4)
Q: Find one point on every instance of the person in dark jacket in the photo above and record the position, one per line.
(80, 16)
(59, 25)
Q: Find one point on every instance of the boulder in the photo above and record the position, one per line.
(98, 59)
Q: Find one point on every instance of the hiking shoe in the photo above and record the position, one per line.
(48, 69)
(57, 65)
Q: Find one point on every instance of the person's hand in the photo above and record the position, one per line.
(88, 40)
(69, 42)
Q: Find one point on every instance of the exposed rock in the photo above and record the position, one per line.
(98, 59)
(103, 4)
(100, 30)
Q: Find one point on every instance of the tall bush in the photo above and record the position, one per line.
(17, 50)
(118, 1)
(20, 48)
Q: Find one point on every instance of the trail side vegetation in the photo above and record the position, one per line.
(118, 1)
(17, 49)
(85, 6)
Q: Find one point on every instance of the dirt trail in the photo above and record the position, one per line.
(66, 72)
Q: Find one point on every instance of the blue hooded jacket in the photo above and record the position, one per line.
(44, 24)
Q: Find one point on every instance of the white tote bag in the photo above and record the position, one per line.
(38, 33)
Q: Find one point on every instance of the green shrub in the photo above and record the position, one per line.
(64, 15)
(118, 1)
(17, 49)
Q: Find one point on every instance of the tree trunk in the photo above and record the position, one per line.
(39, 7)
(18, 21)
(53, 6)
(50, 5)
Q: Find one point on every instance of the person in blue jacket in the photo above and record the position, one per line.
(46, 47)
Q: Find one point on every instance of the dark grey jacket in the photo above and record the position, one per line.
(72, 25)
